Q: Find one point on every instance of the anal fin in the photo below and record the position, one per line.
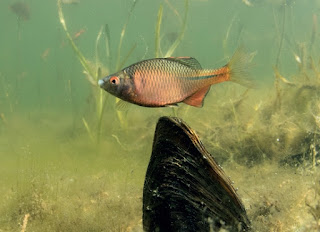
(197, 98)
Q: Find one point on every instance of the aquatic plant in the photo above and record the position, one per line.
(174, 45)
(7, 101)
(313, 204)
(59, 189)
(284, 124)
(179, 38)
(95, 70)
(272, 153)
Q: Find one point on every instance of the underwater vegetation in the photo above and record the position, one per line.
(95, 70)
(64, 174)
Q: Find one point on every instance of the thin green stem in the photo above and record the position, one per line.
(158, 26)
(81, 58)
(183, 29)
(122, 35)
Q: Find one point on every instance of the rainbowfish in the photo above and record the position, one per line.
(163, 82)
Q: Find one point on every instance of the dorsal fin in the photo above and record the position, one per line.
(188, 61)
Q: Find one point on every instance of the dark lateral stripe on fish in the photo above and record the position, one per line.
(223, 73)
(203, 77)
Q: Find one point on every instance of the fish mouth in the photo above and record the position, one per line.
(101, 82)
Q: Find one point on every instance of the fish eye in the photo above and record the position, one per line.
(114, 80)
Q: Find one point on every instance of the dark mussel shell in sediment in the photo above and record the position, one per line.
(185, 189)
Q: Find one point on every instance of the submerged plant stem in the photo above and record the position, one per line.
(107, 33)
(86, 125)
(25, 222)
(103, 101)
(97, 54)
(122, 35)
(183, 29)
(282, 33)
(158, 26)
(120, 114)
(277, 87)
(128, 55)
(81, 58)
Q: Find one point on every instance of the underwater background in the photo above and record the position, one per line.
(70, 160)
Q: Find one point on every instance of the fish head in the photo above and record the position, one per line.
(118, 84)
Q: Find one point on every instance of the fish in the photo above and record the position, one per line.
(247, 2)
(45, 54)
(75, 36)
(21, 9)
(78, 34)
(185, 189)
(161, 82)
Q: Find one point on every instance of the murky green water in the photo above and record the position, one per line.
(71, 162)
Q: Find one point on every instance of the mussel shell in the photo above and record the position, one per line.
(185, 189)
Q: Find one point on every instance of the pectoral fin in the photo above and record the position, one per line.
(122, 105)
(196, 99)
